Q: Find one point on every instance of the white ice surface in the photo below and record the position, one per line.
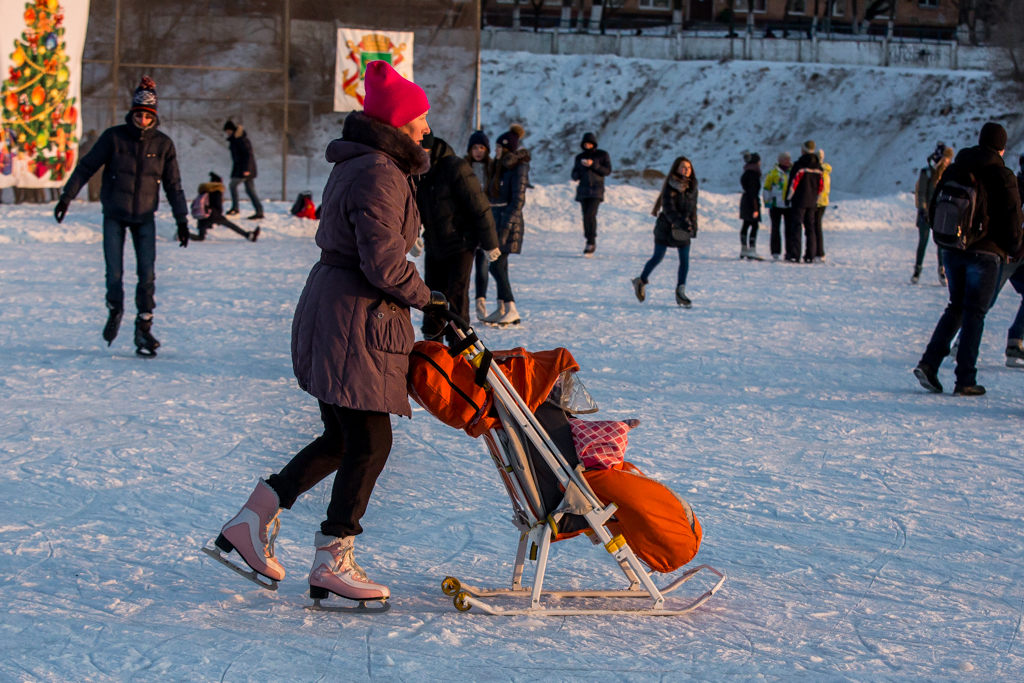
(870, 531)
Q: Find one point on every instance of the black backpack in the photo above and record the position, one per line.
(959, 219)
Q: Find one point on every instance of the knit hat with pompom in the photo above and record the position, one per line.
(144, 98)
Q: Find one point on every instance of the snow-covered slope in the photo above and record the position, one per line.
(876, 125)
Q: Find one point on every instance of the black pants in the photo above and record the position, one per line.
(778, 215)
(819, 243)
(800, 217)
(750, 226)
(144, 241)
(204, 225)
(449, 275)
(356, 444)
(590, 207)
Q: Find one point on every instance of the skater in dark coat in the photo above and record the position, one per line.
(676, 209)
(457, 220)
(506, 188)
(806, 182)
(213, 208)
(923, 191)
(591, 167)
(750, 205)
(352, 335)
(973, 274)
(243, 169)
(137, 159)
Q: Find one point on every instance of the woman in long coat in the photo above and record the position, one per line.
(750, 205)
(351, 336)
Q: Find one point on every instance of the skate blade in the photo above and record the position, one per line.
(361, 608)
(250, 574)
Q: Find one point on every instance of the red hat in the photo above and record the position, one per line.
(390, 98)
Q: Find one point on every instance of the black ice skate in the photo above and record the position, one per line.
(1015, 353)
(254, 235)
(145, 343)
(681, 297)
(589, 250)
(916, 277)
(113, 324)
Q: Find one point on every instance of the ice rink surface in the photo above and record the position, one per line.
(870, 531)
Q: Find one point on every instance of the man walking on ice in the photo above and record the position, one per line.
(137, 158)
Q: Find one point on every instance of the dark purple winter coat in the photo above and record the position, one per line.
(352, 334)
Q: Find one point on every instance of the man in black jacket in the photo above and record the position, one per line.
(243, 169)
(590, 169)
(137, 159)
(806, 182)
(457, 219)
(973, 274)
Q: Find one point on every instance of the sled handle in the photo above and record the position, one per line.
(453, 318)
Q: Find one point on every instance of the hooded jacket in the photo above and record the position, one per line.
(136, 162)
(1001, 213)
(806, 182)
(455, 211)
(242, 157)
(775, 185)
(352, 334)
(826, 183)
(591, 178)
(509, 197)
(750, 202)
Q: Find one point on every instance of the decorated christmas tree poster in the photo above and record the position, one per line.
(41, 43)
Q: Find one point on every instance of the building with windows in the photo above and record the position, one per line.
(928, 18)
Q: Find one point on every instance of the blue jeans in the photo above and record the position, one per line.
(250, 189)
(973, 278)
(659, 254)
(1014, 274)
(144, 240)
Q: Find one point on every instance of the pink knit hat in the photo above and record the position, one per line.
(390, 98)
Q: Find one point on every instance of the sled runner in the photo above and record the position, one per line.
(521, 404)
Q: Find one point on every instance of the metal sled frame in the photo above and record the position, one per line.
(539, 533)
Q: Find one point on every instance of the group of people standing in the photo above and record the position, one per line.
(796, 196)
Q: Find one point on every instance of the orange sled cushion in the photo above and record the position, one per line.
(446, 386)
(659, 526)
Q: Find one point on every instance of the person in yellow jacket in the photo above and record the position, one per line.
(774, 195)
(822, 204)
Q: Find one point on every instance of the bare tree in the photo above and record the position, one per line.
(1008, 38)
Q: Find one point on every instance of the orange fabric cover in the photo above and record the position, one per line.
(432, 381)
(650, 517)
(532, 374)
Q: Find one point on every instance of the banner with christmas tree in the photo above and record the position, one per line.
(357, 48)
(41, 44)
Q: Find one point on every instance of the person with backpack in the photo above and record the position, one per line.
(923, 191)
(676, 209)
(208, 210)
(806, 181)
(506, 188)
(819, 214)
(137, 159)
(457, 221)
(750, 205)
(589, 169)
(243, 169)
(775, 185)
(976, 220)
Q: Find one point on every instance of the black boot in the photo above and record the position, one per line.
(113, 324)
(145, 343)
(254, 235)
(928, 377)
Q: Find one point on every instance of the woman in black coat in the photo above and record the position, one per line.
(589, 170)
(676, 210)
(750, 205)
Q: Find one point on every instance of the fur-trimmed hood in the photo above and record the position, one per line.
(237, 133)
(211, 187)
(361, 132)
(513, 159)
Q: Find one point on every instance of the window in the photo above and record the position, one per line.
(798, 7)
(838, 8)
(656, 4)
(928, 3)
(742, 5)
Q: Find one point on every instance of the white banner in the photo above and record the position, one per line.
(41, 44)
(357, 48)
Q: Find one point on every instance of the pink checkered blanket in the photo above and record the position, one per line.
(601, 444)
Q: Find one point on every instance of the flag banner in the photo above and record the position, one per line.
(359, 47)
(41, 44)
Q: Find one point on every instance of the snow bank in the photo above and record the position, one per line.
(549, 208)
(876, 125)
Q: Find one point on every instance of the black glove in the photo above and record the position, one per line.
(183, 233)
(436, 303)
(61, 210)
